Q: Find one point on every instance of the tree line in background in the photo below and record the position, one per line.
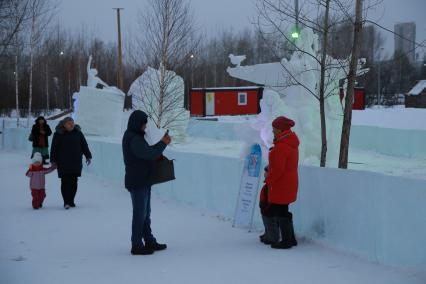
(60, 56)
(47, 62)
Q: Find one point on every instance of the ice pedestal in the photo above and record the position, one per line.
(99, 111)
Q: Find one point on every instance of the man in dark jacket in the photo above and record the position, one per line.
(139, 159)
(68, 148)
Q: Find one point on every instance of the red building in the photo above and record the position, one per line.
(359, 98)
(225, 101)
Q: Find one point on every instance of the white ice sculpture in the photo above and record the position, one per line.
(295, 101)
(98, 111)
(237, 59)
(145, 92)
(92, 79)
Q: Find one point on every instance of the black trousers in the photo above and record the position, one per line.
(69, 188)
(275, 210)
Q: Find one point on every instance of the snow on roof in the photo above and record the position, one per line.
(227, 88)
(418, 88)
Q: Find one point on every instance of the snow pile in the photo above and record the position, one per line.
(166, 111)
(99, 111)
(284, 96)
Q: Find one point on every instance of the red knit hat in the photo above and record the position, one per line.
(282, 123)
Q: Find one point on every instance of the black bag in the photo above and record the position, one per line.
(164, 171)
(30, 138)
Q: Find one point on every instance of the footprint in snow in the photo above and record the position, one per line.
(19, 258)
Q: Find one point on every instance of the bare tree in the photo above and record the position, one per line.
(41, 13)
(19, 10)
(169, 42)
(322, 85)
(347, 116)
(13, 15)
(280, 17)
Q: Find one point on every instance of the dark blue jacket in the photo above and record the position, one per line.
(138, 156)
(68, 148)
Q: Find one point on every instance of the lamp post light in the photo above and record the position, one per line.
(378, 77)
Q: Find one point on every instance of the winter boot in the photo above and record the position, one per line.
(141, 250)
(293, 237)
(155, 246)
(286, 229)
(272, 233)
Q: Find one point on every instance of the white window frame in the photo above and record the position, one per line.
(245, 99)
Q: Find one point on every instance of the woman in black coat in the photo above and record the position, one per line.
(68, 148)
(39, 135)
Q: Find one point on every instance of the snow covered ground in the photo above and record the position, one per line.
(90, 244)
(397, 117)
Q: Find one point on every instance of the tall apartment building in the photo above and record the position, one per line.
(406, 45)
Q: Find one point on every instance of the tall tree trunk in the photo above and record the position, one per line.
(47, 86)
(18, 114)
(69, 89)
(347, 118)
(322, 87)
(162, 94)
(30, 95)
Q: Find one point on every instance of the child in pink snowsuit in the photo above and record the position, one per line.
(36, 173)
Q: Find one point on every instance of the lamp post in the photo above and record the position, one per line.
(191, 57)
(295, 33)
(378, 77)
(127, 99)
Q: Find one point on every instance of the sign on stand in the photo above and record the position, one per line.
(249, 187)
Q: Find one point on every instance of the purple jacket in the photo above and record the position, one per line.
(36, 176)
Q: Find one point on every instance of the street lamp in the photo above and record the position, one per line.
(378, 77)
(61, 53)
(295, 33)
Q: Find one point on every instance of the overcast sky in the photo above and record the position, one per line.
(98, 17)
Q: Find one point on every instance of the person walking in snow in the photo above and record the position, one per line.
(39, 136)
(68, 147)
(282, 181)
(36, 173)
(139, 160)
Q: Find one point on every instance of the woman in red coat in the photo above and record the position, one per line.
(282, 179)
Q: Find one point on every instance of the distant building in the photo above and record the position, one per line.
(416, 97)
(341, 38)
(368, 44)
(406, 45)
(225, 101)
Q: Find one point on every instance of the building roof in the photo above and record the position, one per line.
(418, 88)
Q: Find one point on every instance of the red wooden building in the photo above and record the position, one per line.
(225, 101)
(359, 98)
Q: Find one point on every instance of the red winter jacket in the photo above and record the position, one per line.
(282, 179)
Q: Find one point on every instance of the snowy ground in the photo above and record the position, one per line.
(90, 244)
(397, 117)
